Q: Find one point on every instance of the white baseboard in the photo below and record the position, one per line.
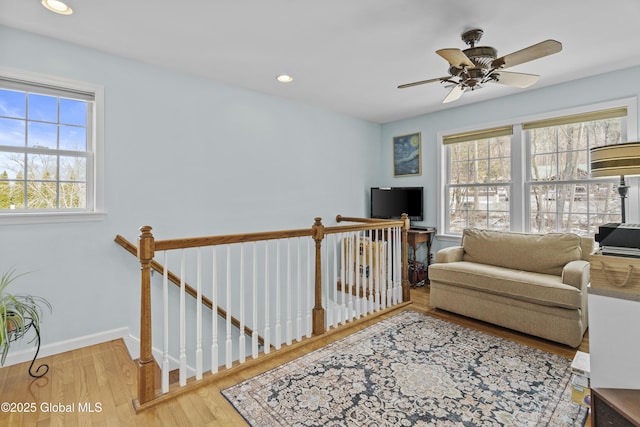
(26, 355)
(132, 343)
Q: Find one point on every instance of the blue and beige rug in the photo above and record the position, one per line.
(413, 370)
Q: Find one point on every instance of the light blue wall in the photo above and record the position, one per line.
(593, 90)
(188, 157)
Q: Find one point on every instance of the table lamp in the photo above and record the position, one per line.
(618, 159)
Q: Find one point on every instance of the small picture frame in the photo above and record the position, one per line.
(406, 155)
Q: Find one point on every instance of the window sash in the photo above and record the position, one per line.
(86, 183)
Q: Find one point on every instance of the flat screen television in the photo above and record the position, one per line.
(392, 202)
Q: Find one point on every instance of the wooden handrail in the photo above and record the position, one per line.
(340, 218)
(365, 224)
(173, 278)
(194, 242)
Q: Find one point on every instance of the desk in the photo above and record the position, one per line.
(617, 407)
(414, 238)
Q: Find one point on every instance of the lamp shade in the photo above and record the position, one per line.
(617, 159)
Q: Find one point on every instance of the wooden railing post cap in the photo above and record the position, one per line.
(145, 244)
(145, 230)
(318, 229)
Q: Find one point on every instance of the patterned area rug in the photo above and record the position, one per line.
(413, 370)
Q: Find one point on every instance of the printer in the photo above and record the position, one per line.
(619, 239)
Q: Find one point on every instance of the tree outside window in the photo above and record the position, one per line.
(479, 184)
(563, 197)
(555, 191)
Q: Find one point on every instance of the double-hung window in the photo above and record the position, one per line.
(562, 195)
(478, 180)
(47, 148)
(532, 176)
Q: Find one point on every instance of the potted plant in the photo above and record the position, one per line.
(18, 313)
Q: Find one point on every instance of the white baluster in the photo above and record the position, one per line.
(358, 273)
(299, 289)
(379, 246)
(326, 285)
(278, 325)
(289, 320)
(310, 293)
(333, 285)
(352, 277)
(394, 266)
(371, 302)
(165, 324)
(241, 337)
(183, 346)
(267, 327)
(254, 302)
(398, 268)
(199, 315)
(343, 272)
(214, 312)
(229, 341)
(389, 281)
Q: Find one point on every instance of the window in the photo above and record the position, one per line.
(563, 197)
(479, 180)
(47, 148)
(486, 188)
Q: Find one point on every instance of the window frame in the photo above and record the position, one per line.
(95, 210)
(520, 206)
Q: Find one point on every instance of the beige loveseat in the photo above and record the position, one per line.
(533, 283)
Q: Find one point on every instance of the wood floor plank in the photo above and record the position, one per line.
(104, 374)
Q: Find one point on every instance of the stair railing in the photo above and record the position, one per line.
(368, 259)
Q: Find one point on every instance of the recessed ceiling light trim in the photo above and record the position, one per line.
(284, 78)
(57, 6)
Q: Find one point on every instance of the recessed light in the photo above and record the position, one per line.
(284, 78)
(57, 6)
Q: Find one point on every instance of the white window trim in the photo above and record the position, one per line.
(97, 211)
(519, 175)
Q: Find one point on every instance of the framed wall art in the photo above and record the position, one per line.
(406, 155)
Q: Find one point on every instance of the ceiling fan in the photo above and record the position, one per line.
(471, 68)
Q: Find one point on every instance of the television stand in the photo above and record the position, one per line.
(416, 236)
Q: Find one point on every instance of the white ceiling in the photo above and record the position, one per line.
(345, 55)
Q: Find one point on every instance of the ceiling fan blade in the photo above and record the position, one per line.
(454, 95)
(540, 50)
(455, 57)
(519, 80)
(422, 82)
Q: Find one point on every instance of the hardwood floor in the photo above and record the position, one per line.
(96, 385)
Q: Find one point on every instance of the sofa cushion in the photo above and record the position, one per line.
(538, 288)
(539, 253)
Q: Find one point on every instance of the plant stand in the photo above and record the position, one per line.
(15, 335)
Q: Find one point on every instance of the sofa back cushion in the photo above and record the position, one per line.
(538, 253)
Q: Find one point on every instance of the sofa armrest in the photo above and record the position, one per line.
(576, 273)
(450, 254)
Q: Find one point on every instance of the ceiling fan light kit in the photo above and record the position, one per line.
(471, 68)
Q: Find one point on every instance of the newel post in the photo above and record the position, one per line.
(406, 285)
(146, 363)
(318, 311)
